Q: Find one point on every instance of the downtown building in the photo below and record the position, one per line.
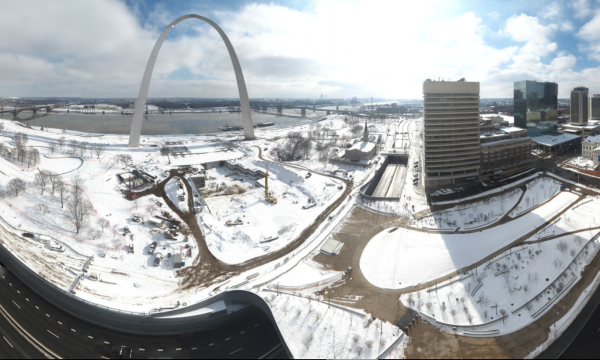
(451, 132)
(579, 106)
(594, 107)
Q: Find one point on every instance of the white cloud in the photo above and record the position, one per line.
(581, 8)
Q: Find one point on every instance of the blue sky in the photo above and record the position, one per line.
(339, 48)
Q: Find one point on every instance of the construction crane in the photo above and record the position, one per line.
(268, 195)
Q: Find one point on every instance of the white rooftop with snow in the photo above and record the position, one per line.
(554, 140)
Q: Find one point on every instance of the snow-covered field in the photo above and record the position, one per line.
(396, 259)
(582, 162)
(538, 192)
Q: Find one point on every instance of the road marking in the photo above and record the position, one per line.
(104, 357)
(160, 349)
(16, 304)
(47, 315)
(73, 330)
(194, 348)
(106, 342)
(240, 349)
(27, 299)
(256, 325)
(242, 333)
(59, 322)
(8, 342)
(37, 307)
(227, 338)
(142, 349)
(53, 334)
(91, 337)
(18, 292)
(178, 349)
(10, 284)
(211, 344)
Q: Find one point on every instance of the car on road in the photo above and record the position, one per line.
(116, 352)
(355, 160)
(308, 175)
(130, 249)
(158, 259)
(152, 248)
(28, 235)
(57, 247)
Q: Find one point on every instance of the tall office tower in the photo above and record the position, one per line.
(595, 107)
(579, 106)
(536, 107)
(451, 132)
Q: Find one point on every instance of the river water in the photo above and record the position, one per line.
(156, 124)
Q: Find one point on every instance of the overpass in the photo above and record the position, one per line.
(34, 108)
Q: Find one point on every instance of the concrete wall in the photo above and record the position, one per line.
(137, 323)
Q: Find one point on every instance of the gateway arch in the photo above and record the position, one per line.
(140, 103)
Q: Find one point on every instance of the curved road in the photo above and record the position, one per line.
(252, 336)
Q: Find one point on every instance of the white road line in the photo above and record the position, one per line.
(106, 342)
(227, 338)
(178, 349)
(18, 292)
(242, 333)
(160, 349)
(59, 322)
(16, 304)
(8, 342)
(53, 334)
(256, 325)
(142, 349)
(240, 349)
(10, 284)
(27, 299)
(47, 315)
(194, 348)
(91, 337)
(211, 344)
(104, 357)
(73, 330)
(37, 307)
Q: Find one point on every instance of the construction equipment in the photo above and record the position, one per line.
(268, 195)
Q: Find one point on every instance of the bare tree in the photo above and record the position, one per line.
(53, 178)
(16, 186)
(61, 144)
(73, 144)
(52, 147)
(98, 149)
(83, 146)
(3, 193)
(94, 233)
(78, 207)
(308, 340)
(1, 127)
(62, 189)
(103, 224)
(41, 179)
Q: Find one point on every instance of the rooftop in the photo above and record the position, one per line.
(363, 146)
(502, 131)
(592, 139)
(554, 140)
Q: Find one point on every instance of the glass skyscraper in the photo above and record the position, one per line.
(536, 107)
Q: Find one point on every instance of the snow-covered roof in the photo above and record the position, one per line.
(511, 129)
(554, 140)
(592, 139)
(363, 146)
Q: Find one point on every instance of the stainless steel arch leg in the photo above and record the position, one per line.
(140, 103)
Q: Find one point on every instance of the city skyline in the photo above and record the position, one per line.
(294, 49)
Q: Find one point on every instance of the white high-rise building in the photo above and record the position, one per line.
(451, 132)
(579, 106)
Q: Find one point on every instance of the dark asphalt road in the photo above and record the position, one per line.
(252, 336)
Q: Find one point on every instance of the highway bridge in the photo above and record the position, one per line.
(34, 108)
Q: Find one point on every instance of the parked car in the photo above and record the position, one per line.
(152, 248)
(355, 160)
(308, 175)
(57, 247)
(116, 352)
(157, 259)
(130, 249)
(28, 235)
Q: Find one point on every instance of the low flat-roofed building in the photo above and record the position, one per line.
(590, 129)
(507, 149)
(362, 150)
(555, 143)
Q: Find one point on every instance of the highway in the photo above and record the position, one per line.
(392, 180)
(251, 336)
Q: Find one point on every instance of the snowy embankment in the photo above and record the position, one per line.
(538, 192)
(510, 291)
(313, 330)
(405, 258)
(475, 215)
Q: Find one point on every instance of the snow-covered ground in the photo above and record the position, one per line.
(521, 283)
(538, 192)
(314, 330)
(474, 215)
(396, 259)
(582, 162)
